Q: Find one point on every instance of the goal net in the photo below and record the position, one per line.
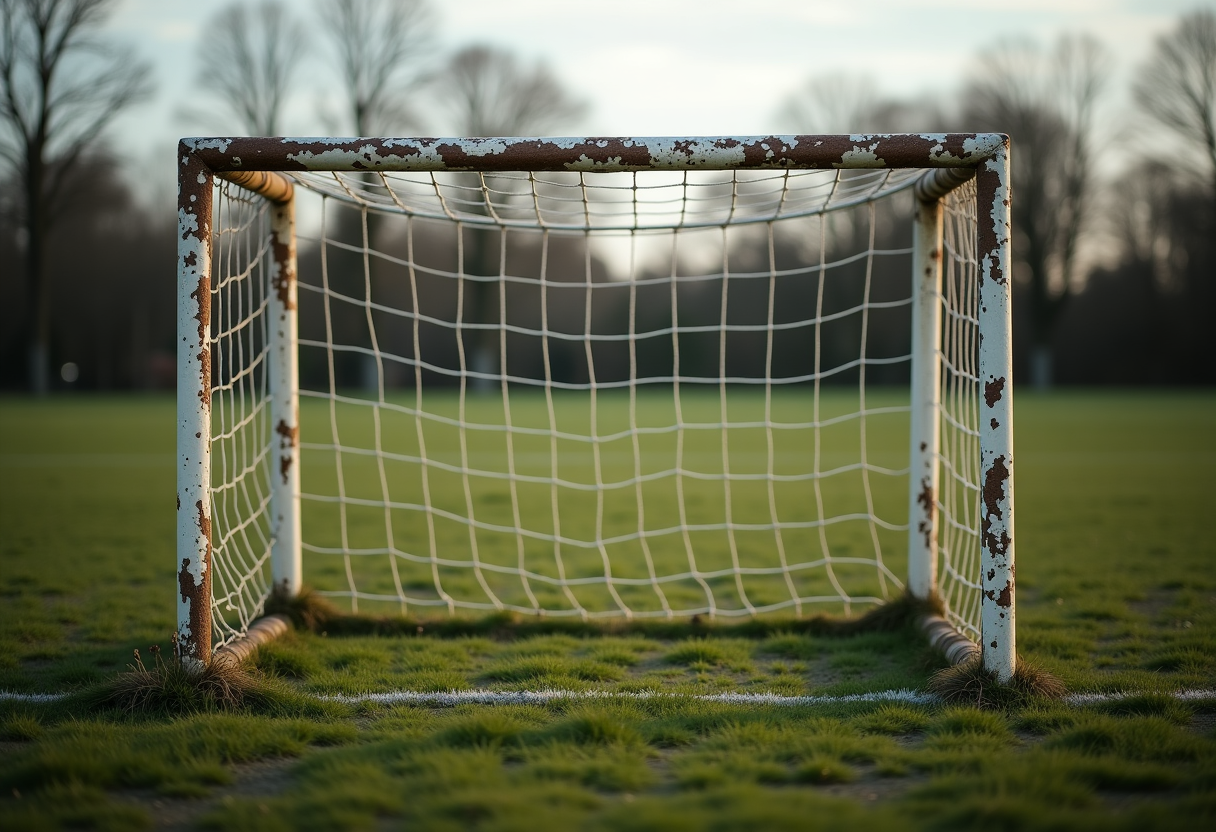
(597, 393)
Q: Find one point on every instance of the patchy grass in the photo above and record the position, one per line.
(1114, 552)
(582, 765)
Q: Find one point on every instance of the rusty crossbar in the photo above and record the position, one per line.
(258, 163)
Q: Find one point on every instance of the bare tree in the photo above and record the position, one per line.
(834, 103)
(846, 103)
(1045, 101)
(379, 45)
(248, 58)
(60, 86)
(489, 92)
(378, 48)
(1177, 86)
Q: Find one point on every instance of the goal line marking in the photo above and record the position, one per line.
(529, 697)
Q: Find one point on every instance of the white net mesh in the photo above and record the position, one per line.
(629, 394)
(959, 579)
(240, 412)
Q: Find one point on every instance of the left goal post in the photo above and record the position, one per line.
(194, 392)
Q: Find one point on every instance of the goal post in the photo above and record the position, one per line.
(239, 368)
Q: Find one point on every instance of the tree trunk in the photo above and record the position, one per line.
(37, 295)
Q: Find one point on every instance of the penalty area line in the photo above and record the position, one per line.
(522, 697)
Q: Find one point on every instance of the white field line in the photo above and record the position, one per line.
(518, 697)
(522, 697)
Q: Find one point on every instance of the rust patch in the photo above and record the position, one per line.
(185, 581)
(993, 496)
(988, 236)
(993, 391)
(290, 433)
(929, 505)
(196, 594)
(284, 280)
(1004, 598)
(994, 424)
(202, 297)
(204, 372)
(996, 546)
(204, 523)
(291, 439)
(272, 186)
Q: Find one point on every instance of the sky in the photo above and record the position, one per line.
(662, 67)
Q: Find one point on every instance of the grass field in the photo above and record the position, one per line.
(1116, 593)
(584, 510)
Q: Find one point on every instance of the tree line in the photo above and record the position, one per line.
(1113, 274)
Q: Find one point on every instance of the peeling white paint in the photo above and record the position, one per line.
(608, 165)
(487, 147)
(368, 156)
(198, 143)
(998, 610)
(861, 157)
(696, 153)
(187, 230)
(284, 388)
(193, 405)
(983, 145)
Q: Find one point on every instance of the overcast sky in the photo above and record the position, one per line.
(664, 67)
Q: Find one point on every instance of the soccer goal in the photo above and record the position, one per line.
(596, 378)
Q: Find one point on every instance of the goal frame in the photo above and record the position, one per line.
(257, 164)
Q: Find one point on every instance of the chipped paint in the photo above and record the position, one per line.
(925, 434)
(194, 407)
(283, 381)
(934, 150)
(861, 157)
(992, 391)
(289, 441)
(996, 433)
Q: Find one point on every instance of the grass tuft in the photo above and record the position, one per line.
(171, 686)
(21, 728)
(970, 684)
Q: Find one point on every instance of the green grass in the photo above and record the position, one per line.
(1116, 592)
(609, 514)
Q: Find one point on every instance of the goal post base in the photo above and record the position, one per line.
(263, 631)
(310, 611)
(969, 683)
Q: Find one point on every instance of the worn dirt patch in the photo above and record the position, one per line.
(263, 779)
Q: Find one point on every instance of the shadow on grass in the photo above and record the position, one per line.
(312, 612)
